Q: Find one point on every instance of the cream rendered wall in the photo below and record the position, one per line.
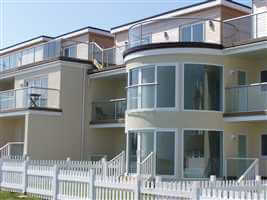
(54, 79)
(12, 130)
(60, 136)
(109, 141)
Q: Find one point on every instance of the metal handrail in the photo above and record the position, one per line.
(250, 85)
(24, 88)
(110, 101)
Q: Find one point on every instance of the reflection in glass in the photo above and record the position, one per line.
(203, 153)
(132, 152)
(202, 87)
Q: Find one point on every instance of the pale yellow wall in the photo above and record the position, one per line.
(12, 130)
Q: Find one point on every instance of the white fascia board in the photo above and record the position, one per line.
(29, 43)
(245, 48)
(108, 73)
(246, 118)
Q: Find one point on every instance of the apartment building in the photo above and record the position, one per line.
(182, 92)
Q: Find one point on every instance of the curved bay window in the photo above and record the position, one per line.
(151, 87)
(203, 87)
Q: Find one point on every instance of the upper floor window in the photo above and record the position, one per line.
(263, 76)
(203, 87)
(70, 51)
(192, 33)
(151, 87)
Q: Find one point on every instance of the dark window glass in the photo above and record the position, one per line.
(264, 145)
(263, 76)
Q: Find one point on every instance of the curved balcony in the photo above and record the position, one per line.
(187, 31)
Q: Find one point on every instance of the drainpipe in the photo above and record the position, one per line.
(83, 111)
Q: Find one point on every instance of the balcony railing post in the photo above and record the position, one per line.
(115, 111)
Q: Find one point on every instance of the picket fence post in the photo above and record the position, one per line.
(105, 167)
(137, 194)
(55, 182)
(92, 192)
(196, 190)
(24, 175)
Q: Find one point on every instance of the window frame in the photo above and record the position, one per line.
(222, 110)
(191, 27)
(140, 84)
(155, 131)
(223, 153)
(69, 47)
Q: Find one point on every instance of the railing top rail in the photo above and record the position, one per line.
(248, 170)
(24, 88)
(245, 86)
(148, 157)
(118, 156)
(10, 143)
(109, 101)
(240, 158)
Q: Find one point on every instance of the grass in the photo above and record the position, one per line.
(14, 196)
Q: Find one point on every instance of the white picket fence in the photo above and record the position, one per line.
(74, 180)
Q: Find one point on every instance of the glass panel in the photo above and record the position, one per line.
(148, 96)
(241, 78)
(132, 98)
(147, 144)
(148, 75)
(202, 87)
(165, 153)
(5, 63)
(264, 145)
(133, 78)
(198, 33)
(185, 34)
(166, 86)
(203, 154)
(132, 152)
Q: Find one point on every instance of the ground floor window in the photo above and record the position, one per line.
(203, 153)
(162, 143)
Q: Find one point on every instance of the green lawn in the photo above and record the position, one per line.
(13, 196)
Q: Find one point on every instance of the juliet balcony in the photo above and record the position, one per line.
(247, 100)
(33, 98)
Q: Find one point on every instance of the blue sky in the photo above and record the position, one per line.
(24, 19)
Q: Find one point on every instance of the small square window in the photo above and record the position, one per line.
(264, 145)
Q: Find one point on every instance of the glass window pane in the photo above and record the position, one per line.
(185, 34)
(241, 78)
(133, 77)
(264, 145)
(202, 87)
(148, 75)
(198, 32)
(148, 96)
(166, 86)
(165, 153)
(132, 152)
(132, 98)
(147, 144)
(203, 154)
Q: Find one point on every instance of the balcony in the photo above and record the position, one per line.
(30, 98)
(62, 48)
(176, 29)
(110, 111)
(244, 30)
(246, 100)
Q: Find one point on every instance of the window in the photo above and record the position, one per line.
(264, 145)
(70, 51)
(145, 92)
(263, 76)
(203, 87)
(192, 33)
(161, 143)
(203, 153)
(241, 77)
